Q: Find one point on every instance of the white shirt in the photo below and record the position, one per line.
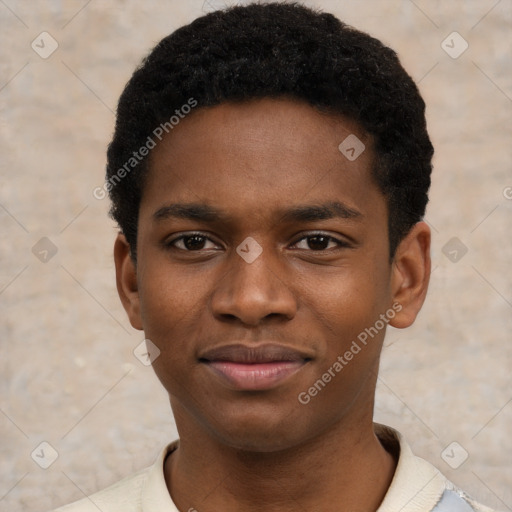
(417, 486)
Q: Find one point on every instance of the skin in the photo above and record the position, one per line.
(265, 451)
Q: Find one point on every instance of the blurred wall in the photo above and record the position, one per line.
(69, 375)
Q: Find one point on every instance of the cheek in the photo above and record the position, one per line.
(172, 303)
(347, 313)
(169, 294)
(169, 309)
(347, 299)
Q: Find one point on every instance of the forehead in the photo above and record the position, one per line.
(259, 155)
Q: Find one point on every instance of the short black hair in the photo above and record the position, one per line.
(275, 50)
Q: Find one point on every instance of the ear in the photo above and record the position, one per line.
(411, 274)
(126, 281)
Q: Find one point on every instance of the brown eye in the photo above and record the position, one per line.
(320, 242)
(194, 242)
(190, 243)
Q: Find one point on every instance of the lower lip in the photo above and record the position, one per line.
(255, 377)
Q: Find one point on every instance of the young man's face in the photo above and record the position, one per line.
(300, 304)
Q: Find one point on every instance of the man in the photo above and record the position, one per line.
(269, 173)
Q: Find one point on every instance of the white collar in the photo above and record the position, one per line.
(417, 486)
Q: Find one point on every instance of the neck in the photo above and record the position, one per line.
(345, 468)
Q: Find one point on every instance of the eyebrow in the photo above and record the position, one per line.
(192, 211)
(311, 213)
(302, 213)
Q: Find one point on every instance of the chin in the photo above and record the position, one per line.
(260, 433)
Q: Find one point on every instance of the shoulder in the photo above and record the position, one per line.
(123, 496)
(417, 485)
(143, 491)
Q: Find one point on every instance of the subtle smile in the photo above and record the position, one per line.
(254, 368)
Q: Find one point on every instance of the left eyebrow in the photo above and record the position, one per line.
(312, 213)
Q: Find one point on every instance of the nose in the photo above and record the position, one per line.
(253, 292)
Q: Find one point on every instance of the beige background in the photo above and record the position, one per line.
(69, 376)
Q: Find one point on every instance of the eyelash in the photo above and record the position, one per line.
(341, 244)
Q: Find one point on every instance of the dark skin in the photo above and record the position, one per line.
(264, 450)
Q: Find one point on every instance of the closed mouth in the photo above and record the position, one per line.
(259, 368)
(243, 354)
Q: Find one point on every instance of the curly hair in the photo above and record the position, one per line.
(277, 50)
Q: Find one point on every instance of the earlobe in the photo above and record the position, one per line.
(411, 274)
(126, 281)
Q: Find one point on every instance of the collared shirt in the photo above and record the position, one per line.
(417, 486)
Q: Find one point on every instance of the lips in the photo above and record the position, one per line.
(254, 368)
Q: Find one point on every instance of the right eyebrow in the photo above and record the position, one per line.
(191, 211)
